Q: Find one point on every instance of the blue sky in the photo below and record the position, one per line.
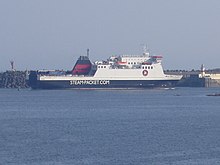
(51, 34)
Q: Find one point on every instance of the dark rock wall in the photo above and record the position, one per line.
(13, 79)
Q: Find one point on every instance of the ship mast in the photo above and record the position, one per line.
(145, 50)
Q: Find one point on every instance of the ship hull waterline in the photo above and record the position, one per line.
(105, 84)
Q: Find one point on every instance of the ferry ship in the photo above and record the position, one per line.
(119, 72)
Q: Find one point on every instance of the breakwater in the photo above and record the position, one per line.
(13, 79)
(209, 78)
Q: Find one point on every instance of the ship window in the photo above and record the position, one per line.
(148, 67)
(151, 67)
(134, 62)
(142, 67)
(131, 62)
(145, 67)
(128, 62)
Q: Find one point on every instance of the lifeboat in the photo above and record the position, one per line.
(156, 56)
(146, 63)
(121, 63)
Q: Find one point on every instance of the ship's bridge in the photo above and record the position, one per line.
(131, 60)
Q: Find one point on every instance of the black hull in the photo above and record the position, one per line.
(125, 84)
(98, 84)
(113, 84)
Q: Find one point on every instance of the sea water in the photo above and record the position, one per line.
(178, 126)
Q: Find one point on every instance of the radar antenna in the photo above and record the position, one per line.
(145, 49)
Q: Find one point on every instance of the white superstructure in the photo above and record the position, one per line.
(125, 67)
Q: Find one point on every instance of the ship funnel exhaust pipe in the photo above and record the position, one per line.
(87, 52)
